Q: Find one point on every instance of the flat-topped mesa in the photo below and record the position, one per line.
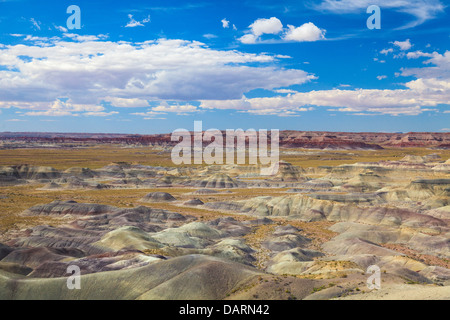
(69, 207)
(28, 172)
(288, 139)
(426, 188)
(333, 144)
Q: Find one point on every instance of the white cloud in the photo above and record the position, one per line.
(36, 24)
(56, 108)
(73, 78)
(421, 10)
(149, 113)
(100, 113)
(134, 23)
(392, 102)
(266, 26)
(209, 36)
(381, 77)
(430, 89)
(418, 54)
(306, 32)
(88, 72)
(165, 107)
(248, 38)
(386, 51)
(127, 103)
(285, 91)
(81, 38)
(16, 120)
(439, 68)
(403, 45)
(225, 23)
(40, 40)
(60, 28)
(272, 112)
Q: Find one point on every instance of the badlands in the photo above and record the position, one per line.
(139, 227)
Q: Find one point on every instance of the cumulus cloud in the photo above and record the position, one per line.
(430, 89)
(387, 51)
(418, 54)
(273, 112)
(260, 27)
(438, 68)
(76, 76)
(100, 113)
(81, 38)
(266, 26)
(392, 102)
(285, 91)
(225, 23)
(89, 71)
(127, 103)
(306, 32)
(56, 108)
(248, 38)
(403, 45)
(165, 107)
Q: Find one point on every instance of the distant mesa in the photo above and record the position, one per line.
(205, 191)
(52, 186)
(319, 184)
(287, 172)
(217, 181)
(288, 139)
(194, 202)
(414, 159)
(158, 197)
(84, 173)
(69, 207)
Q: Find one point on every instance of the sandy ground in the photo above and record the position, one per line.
(404, 292)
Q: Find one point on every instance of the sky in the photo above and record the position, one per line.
(156, 66)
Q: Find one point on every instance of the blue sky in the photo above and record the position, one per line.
(155, 66)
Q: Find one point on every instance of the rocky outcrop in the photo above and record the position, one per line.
(69, 207)
(214, 181)
(158, 197)
(193, 202)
